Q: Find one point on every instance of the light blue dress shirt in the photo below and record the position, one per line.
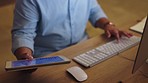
(46, 26)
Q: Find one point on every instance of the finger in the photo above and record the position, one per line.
(117, 35)
(108, 34)
(126, 34)
(28, 56)
(130, 34)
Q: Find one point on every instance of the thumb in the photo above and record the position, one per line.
(108, 34)
(28, 56)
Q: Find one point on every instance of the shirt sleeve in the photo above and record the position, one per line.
(24, 24)
(96, 12)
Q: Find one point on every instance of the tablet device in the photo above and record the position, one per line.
(37, 62)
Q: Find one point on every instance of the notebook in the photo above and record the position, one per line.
(139, 26)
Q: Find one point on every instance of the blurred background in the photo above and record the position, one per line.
(124, 13)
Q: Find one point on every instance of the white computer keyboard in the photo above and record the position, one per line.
(106, 51)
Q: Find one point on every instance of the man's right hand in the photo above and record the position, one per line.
(23, 53)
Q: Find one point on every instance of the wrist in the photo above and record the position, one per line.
(104, 23)
(108, 24)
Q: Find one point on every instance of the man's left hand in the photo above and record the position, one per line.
(111, 30)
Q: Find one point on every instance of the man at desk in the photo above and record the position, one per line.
(45, 26)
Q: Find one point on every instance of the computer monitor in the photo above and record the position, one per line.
(142, 53)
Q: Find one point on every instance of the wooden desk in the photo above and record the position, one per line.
(123, 13)
(110, 71)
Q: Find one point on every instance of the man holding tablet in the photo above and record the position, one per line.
(42, 27)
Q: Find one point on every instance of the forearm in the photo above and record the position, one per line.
(19, 40)
(26, 17)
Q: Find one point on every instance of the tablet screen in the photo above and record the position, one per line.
(38, 61)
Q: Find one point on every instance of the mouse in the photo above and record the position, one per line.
(77, 73)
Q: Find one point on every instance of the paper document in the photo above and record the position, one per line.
(139, 26)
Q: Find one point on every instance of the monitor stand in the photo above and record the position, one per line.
(144, 69)
(147, 61)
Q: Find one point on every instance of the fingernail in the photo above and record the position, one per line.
(31, 58)
(108, 36)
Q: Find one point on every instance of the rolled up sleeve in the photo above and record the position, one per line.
(96, 12)
(24, 24)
